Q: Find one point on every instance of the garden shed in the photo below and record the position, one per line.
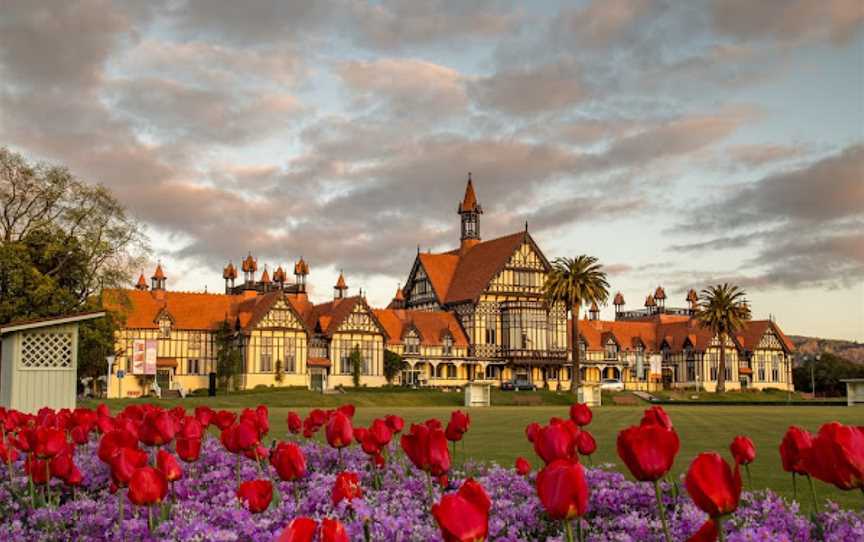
(39, 362)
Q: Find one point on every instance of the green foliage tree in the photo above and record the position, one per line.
(62, 241)
(393, 365)
(229, 360)
(827, 371)
(723, 309)
(280, 374)
(575, 282)
(356, 360)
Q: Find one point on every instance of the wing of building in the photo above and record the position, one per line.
(472, 313)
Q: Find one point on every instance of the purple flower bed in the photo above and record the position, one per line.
(206, 507)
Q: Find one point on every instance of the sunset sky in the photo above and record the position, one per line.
(682, 143)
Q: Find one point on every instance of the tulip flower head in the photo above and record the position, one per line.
(256, 495)
(288, 460)
(147, 486)
(743, 450)
(648, 450)
(714, 487)
(339, 431)
(581, 414)
(837, 456)
(464, 516)
(563, 490)
(523, 467)
(795, 445)
(346, 487)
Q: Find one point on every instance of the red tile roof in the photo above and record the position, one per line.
(479, 265)
(159, 274)
(301, 267)
(440, 269)
(619, 299)
(340, 282)
(250, 264)
(189, 310)
(431, 325)
(142, 282)
(660, 293)
(755, 329)
(230, 272)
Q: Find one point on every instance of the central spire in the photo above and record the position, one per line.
(469, 211)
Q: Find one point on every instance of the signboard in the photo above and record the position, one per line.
(150, 357)
(144, 357)
(139, 350)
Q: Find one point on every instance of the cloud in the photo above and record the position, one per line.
(601, 22)
(392, 24)
(788, 20)
(810, 221)
(760, 154)
(405, 87)
(532, 90)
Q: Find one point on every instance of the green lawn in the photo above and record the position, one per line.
(497, 433)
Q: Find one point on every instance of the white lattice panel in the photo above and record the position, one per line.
(46, 350)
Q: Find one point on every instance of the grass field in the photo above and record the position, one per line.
(497, 433)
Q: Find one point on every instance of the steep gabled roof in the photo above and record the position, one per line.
(440, 269)
(755, 329)
(479, 265)
(252, 310)
(329, 316)
(432, 326)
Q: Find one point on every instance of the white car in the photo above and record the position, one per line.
(611, 384)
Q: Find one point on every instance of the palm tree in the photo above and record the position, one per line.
(724, 310)
(574, 282)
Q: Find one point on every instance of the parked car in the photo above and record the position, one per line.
(517, 385)
(611, 384)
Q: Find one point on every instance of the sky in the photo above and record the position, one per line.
(681, 143)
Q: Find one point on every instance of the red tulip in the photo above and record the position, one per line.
(61, 464)
(360, 434)
(523, 467)
(157, 428)
(191, 428)
(795, 445)
(223, 419)
(288, 460)
(169, 466)
(347, 410)
(74, 477)
(395, 423)
(299, 530)
(205, 415)
(189, 450)
(648, 451)
(837, 456)
(581, 414)
(369, 444)
(381, 433)
(8, 454)
(113, 441)
(339, 432)
(427, 449)
(48, 442)
(317, 417)
(712, 485)
(295, 424)
(585, 443)
(433, 423)
(124, 463)
(256, 494)
(563, 490)
(38, 469)
(555, 441)
(147, 486)
(80, 434)
(458, 426)
(656, 416)
(333, 531)
(464, 516)
(346, 487)
(743, 450)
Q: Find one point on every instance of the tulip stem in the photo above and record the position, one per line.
(121, 513)
(150, 519)
(721, 535)
(813, 494)
(794, 487)
(662, 510)
(568, 530)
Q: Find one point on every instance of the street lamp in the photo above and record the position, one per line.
(813, 374)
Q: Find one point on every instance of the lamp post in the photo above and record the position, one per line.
(813, 374)
(110, 360)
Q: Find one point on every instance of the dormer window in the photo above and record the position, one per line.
(611, 349)
(412, 343)
(448, 345)
(165, 328)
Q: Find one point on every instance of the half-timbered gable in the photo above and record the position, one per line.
(276, 341)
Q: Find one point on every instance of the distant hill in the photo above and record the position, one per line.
(809, 346)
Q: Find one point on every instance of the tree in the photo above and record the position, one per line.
(62, 241)
(76, 237)
(723, 309)
(828, 371)
(356, 360)
(393, 365)
(575, 282)
(229, 361)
